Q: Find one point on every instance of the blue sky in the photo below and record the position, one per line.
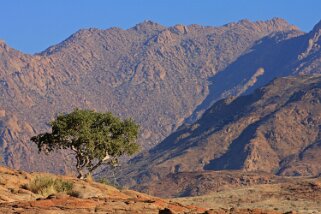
(32, 26)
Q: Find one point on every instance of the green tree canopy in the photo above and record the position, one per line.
(94, 138)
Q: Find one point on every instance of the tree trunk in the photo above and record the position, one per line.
(81, 174)
(95, 167)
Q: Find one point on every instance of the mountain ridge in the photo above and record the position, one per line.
(278, 23)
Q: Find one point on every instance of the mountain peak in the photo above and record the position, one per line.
(3, 44)
(82, 33)
(280, 23)
(4, 47)
(148, 26)
(147, 23)
(279, 20)
(244, 21)
(274, 24)
(317, 27)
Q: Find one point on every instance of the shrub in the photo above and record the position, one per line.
(46, 186)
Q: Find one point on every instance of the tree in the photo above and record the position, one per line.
(94, 138)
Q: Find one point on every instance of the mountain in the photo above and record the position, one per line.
(157, 75)
(275, 129)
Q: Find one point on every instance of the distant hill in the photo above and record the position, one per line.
(160, 76)
(275, 129)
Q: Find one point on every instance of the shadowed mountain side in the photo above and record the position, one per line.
(277, 55)
(274, 129)
(271, 57)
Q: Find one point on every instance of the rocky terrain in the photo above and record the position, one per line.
(92, 197)
(275, 129)
(160, 76)
(187, 184)
(301, 195)
(236, 188)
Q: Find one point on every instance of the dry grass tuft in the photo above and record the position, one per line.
(46, 186)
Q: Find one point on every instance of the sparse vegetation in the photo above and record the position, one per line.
(109, 183)
(48, 185)
(94, 138)
(103, 181)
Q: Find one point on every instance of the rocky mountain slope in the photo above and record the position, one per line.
(157, 75)
(275, 129)
(279, 54)
(16, 196)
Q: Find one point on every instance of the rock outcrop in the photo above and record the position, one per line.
(91, 197)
